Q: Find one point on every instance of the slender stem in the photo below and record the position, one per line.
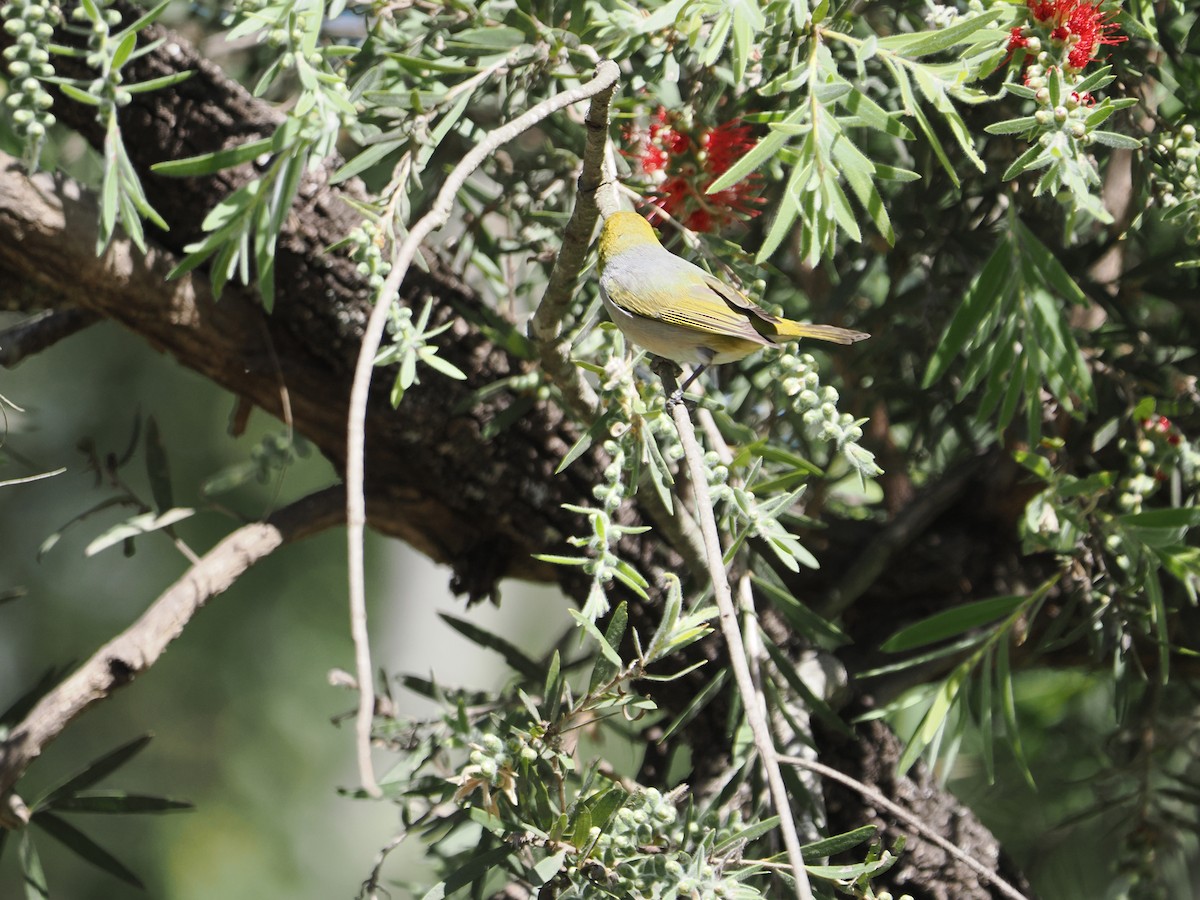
(751, 698)
(356, 501)
(877, 799)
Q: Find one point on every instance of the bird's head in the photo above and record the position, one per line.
(625, 231)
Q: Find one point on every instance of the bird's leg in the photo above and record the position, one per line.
(688, 381)
(669, 373)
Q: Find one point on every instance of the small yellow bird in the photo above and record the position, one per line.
(676, 310)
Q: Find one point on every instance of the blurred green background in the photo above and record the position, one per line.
(240, 704)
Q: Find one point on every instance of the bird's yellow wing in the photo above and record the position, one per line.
(689, 297)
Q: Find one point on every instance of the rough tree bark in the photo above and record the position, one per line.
(482, 506)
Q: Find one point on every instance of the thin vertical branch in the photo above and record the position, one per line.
(752, 699)
(356, 504)
(546, 326)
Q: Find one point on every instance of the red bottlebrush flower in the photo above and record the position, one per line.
(1016, 41)
(689, 163)
(700, 220)
(1045, 10)
(657, 143)
(673, 194)
(1093, 28)
(725, 145)
(1084, 22)
(654, 159)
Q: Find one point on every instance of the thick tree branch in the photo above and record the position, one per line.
(137, 648)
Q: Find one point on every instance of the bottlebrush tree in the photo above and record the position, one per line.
(831, 586)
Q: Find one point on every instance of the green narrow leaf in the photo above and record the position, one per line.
(802, 619)
(744, 835)
(158, 470)
(547, 868)
(606, 806)
(605, 668)
(935, 92)
(986, 292)
(468, 871)
(787, 211)
(84, 847)
(513, 655)
(125, 47)
(117, 803)
(1031, 158)
(95, 771)
(1158, 617)
(135, 526)
(1046, 265)
(597, 428)
(913, 108)
(32, 874)
(814, 704)
(1009, 706)
(1012, 126)
(1016, 382)
(594, 633)
(365, 159)
(147, 18)
(926, 43)
(208, 163)
(697, 703)
(953, 622)
(581, 828)
(875, 116)
(986, 728)
(1113, 139)
(840, 843)
(758, 154)
(1185, 517)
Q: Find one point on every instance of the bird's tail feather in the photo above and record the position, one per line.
(789, 329)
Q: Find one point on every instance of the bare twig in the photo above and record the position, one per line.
(751, 698)
(356, 505)
(878, 799)
(140, 645)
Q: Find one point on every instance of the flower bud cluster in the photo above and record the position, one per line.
(31, 25)
(490, 772)
(611, 492)
(101, 47)
(1067, 120)
(1176, 176)
(800, 381)
(619, 864)
(366, 248)
(816, 403)
(941, 15)
(1159, 454)
(647, 819)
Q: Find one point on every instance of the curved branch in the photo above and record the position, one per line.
(356, 499)
(140, 645)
